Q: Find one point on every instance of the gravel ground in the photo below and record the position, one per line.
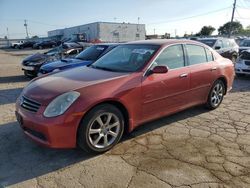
(194, 148)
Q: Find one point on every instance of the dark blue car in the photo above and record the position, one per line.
(86, 57)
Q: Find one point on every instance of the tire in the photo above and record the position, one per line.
(28, 75)
(107, 115)
(40, 47)
(216, 95)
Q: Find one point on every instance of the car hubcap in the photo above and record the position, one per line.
(217, 94)
(104, 130)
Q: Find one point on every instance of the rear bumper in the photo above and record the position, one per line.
(58, 132)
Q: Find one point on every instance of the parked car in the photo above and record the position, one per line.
(242, 66)
(27, 44)
(86, 57)
(227, 48)
(16, 44)
(92, 106)
(32, 63)
(45, 44)
(244, 45)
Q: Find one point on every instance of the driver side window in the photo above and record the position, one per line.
(172, 57)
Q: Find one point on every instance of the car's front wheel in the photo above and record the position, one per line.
(101, 129)
(216, 95)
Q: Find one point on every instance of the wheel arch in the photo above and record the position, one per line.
(224, 80)
(117, 104)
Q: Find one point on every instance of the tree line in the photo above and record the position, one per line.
(236, 29)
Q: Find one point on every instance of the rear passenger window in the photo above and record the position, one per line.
(172, 57)
(196, 54)
(210, 56)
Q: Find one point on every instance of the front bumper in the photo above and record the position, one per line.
(57, 132)
(31, 70)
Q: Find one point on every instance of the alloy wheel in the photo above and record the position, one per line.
(104, 130)
(217, 94)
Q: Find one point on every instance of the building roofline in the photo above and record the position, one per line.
(97, 23)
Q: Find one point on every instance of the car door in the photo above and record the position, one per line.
(203, 72)
(220, 48)
(165, 93)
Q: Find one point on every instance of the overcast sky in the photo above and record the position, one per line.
(182, 16)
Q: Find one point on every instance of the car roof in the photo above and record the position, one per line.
(107, 44)
(163, 42)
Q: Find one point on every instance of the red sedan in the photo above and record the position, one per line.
(91, 107)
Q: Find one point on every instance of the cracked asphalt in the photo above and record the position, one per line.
(194, 148)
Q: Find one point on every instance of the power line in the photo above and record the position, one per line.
(32, 21)
(180, 19)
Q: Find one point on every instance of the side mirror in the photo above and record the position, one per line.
(217, 47)
(159, 69)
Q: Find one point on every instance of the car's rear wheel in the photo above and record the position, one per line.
(101, 129)
(216, 95)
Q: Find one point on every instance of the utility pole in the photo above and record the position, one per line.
(8, 35)
(26, 28)
(232, 19)
(138, 24)
(154, 31)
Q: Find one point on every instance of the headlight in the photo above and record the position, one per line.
(239, 61)
(60, 104)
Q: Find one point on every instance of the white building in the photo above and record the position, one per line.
(104, 31)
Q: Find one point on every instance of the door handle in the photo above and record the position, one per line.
(183, 75)
(214, 68)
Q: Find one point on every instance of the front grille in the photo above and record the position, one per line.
(247, 63)
(29, 104)
(245, 70)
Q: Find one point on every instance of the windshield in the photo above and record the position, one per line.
(92, 53)
(58, 49)
(245, 43)
(126, 58)
(209, 42)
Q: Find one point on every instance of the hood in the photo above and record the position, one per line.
(241, 49)
(46, 88)
(35, 58)
(61, 63)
